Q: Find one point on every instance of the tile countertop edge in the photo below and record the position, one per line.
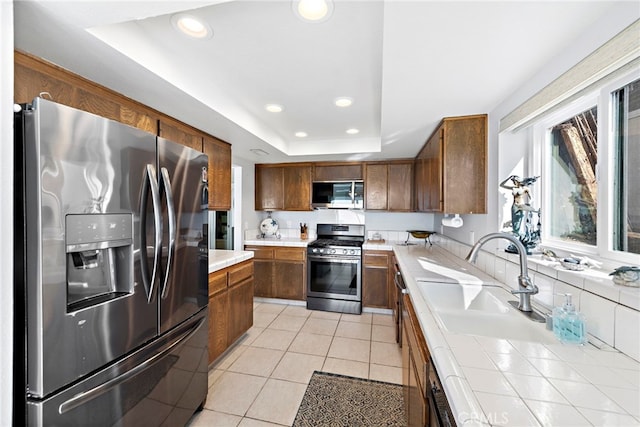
(219, 259)
(279, 242)
(462, 399)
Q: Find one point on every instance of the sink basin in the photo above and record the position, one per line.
(451, 296)
(480, 310)
(508, 327)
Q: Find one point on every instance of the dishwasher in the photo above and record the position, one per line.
(397, 308)
(441, 414)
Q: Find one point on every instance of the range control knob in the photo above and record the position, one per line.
(314, 250)
(352, 252)
(332, 251)
(344, 251)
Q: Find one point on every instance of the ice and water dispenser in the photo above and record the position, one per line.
(99, 258)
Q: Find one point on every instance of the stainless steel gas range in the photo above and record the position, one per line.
(334, 269)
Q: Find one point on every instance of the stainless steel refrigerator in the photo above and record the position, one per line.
(111, 302)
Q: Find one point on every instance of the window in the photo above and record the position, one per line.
(572, 171)
(588, 154)
(626, 229)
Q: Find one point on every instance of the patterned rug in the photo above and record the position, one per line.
(337, 400)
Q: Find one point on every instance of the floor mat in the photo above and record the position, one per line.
(338, 400)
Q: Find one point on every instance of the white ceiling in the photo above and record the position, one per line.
(406, 64)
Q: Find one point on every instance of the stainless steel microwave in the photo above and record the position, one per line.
(338, 195)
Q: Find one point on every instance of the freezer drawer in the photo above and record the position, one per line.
(162, 384)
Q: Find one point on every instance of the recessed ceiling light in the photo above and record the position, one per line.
(352, 131)
(301, 134)
(313, 10)
(274, 108)
(343, 101)
(191, 26)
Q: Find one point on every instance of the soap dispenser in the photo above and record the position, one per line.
(569, 325)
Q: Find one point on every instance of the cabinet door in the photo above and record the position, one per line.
(218, 324)
(240, 309)
(338, 172)
(289, 280)
(263, 278)
(297, 187)
(219, 173)
(178, 132)
(374, 287)
(400, 188)
(465, 174)
(269, 191)
(375, 187)
(433, 173)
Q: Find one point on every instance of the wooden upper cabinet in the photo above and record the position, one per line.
(451, 169)
(389, 186)
(375, 186)
(33, 76)
(176, 131)
(283, 186)
(337, 171)
(269, 191)
(465, 164)
(297, 187)
(219, 173)
(140, 119)
(400, 186)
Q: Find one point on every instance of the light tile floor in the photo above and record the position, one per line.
(262, 379)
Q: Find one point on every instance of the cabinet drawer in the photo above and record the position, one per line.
(376, 259)
(291, 254)
(240, 272)
(261, 252)
(217, 281)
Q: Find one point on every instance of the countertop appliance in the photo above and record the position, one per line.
(334, 269)
(338, 195)
(111, 307)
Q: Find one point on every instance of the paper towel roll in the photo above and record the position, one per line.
(455, 222)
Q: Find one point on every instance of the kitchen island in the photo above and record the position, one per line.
(230, 286)
(506, 376)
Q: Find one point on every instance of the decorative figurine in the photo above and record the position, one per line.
(626, 275)
(522, 212)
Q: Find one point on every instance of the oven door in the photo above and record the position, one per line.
(334, 277)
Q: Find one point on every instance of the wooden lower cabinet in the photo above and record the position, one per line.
(415, 368)
(280, 271)
(230, 306)
(377, 279)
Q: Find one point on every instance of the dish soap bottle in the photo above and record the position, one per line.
(569, 325)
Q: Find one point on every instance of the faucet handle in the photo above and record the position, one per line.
(532, 289)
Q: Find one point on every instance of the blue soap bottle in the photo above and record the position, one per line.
(569, 325)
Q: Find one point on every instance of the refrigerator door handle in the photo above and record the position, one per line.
(171, 212)
(84, 397)
(150, 183)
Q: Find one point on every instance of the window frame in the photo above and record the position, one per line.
(540, 150)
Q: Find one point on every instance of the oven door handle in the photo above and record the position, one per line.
(334, 259)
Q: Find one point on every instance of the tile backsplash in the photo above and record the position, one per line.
(612, 311)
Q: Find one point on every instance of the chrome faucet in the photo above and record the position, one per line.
(526, 287)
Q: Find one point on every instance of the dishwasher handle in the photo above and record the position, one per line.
(399, 281)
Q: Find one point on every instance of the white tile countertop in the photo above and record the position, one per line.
(219, 258)
(506, 381)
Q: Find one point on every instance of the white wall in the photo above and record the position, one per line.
(6, 213)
